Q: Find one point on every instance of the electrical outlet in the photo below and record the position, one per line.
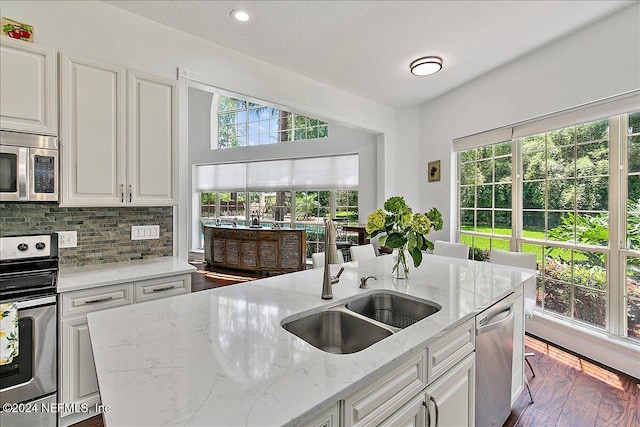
(145, 232)
(67, 239)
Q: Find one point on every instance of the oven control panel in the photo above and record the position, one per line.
(20, 247)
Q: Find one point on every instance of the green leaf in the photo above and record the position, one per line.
(413, 242)
(382, 240)
(419, 240)
(428, 244)
(395, 240)
(416, 255)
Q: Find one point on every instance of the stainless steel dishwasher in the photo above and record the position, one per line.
(494, 355)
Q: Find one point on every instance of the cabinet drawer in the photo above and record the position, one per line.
(450, 349)
(373, 404)
(85, 301)
(151, 289)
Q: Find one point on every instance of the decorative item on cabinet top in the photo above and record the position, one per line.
(17, 30)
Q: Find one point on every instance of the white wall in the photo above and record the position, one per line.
(599, 61)
(341, 140)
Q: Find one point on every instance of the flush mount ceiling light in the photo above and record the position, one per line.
(240, 15)
(426, 65)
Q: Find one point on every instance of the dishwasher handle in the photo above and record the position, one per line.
(495, 324)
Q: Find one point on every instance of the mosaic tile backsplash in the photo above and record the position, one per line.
(104, 234)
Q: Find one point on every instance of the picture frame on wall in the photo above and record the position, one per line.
(433, 171)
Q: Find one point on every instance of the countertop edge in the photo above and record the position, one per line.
(93, 276)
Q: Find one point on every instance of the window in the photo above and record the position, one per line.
(485, 198)
(632, 238)
(566, 181)
(308, 212)
(241, 123)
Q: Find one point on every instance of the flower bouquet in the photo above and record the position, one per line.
(404, 231)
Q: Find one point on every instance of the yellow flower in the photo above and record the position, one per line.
(375, 221)
(421, 224)
(2, 333)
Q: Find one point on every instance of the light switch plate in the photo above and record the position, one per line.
(67, 239)
(145, 232)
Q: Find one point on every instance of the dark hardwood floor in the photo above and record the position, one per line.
(568, 390)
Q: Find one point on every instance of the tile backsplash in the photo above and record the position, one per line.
(104, 234)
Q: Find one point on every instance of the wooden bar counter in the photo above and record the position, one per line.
(266, 250)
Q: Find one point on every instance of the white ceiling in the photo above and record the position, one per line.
(365, 47)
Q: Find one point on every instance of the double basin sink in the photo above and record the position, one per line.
(361, 322)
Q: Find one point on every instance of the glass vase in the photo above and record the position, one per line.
(400, 268)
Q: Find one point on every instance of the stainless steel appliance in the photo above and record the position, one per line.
(494, 356)
(28, 384)
(28, 167)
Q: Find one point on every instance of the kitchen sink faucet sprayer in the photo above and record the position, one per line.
(330, 257)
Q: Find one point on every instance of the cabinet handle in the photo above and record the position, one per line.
(166, 288)
(428, 413)
(121, 193)
(93, 301)
(130, 193)
(436, 406)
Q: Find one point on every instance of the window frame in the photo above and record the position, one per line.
(616, 252)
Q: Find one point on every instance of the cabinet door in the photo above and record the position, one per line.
(413, 414)
(152, 135)
(232, 252)
(268, 255)
(93, 123)
(451, 399)
(249, 254)
(78, 377)
(28, 84)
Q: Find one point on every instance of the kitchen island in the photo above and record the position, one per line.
(221, 357)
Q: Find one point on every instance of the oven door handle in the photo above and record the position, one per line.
(36, 301)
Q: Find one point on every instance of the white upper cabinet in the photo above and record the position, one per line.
(28, 87)
(118, 136)
(92, 138)
(152, 130)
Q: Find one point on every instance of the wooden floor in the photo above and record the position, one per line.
(571, 391)
(568, 390)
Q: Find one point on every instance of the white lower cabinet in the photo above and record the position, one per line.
(78, 386)
(413, 414)
(326, 419)
(451, 399)
(376, 402)
(433, 388)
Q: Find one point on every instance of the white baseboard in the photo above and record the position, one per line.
(598, 346)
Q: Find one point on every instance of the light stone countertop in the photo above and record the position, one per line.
(221, 357)
(91, 276)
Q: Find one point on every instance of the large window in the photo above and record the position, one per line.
(632, 238)
(570, 196)
(241, 123)
(485, 198)
(308, 212)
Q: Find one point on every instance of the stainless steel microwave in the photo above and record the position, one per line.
(28, 167)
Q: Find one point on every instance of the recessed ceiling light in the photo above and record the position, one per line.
(426, 65)
(240, 15)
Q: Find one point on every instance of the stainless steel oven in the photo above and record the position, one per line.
(28, 384)
(28, 167)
